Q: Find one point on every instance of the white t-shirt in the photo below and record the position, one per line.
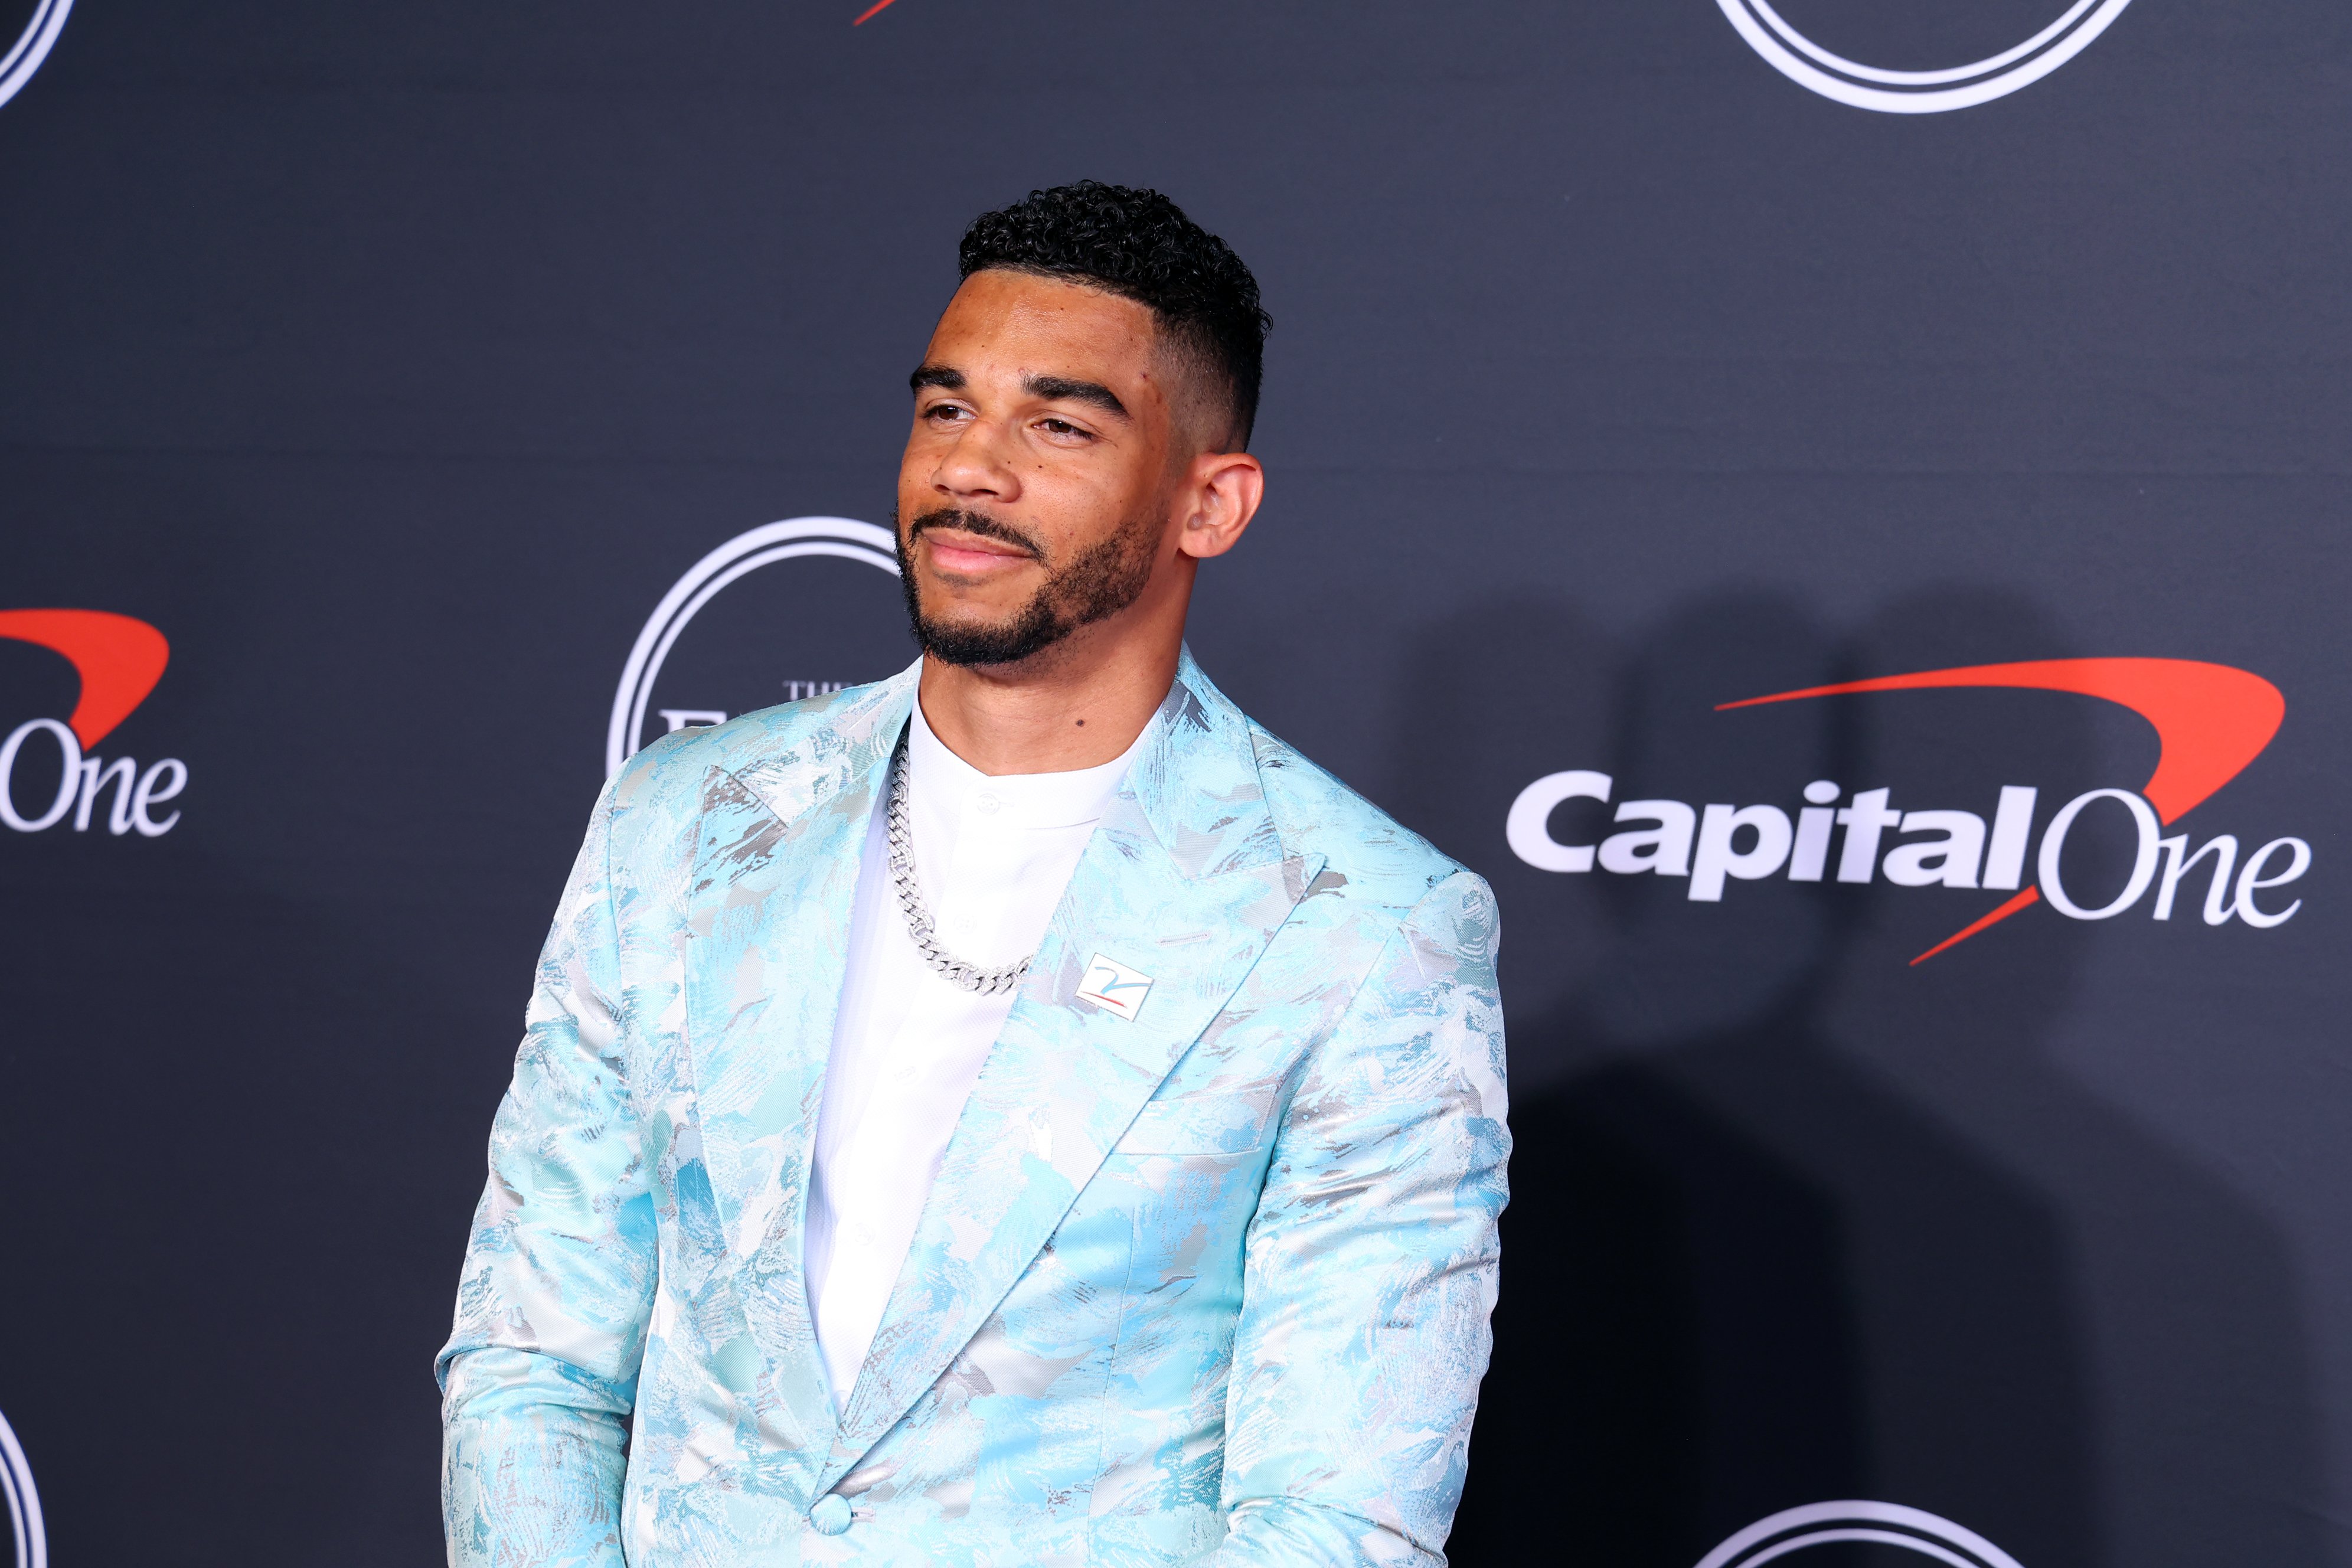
(993, 855)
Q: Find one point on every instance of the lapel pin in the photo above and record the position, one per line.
(1114, 987)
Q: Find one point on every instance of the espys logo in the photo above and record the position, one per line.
(119, 661)
(1860, 1523)
(23, 1502)
(831, 620)
(17, 66)
(1807, 64)
(2210, 721)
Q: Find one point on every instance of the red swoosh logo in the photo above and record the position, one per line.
(2210, 721)
(119, 659)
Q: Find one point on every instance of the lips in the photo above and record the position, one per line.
(952, 550)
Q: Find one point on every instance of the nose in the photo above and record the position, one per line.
(974, 465)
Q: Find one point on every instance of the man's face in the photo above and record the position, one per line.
(1035, 495)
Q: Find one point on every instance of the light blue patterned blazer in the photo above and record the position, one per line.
(1210, 1285)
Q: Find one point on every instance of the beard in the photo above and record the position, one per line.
(1100, 580)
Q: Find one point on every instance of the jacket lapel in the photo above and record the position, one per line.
(775, 873)
(1185, 880)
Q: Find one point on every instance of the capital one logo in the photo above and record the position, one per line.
(788, 610)
(1807, 64)
(23, 1502)
(17, 66)
(1857, 1524)
(118, 660)
(2210, 721)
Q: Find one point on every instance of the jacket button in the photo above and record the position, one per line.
(831, 1514)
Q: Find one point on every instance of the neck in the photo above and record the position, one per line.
(1078, 704)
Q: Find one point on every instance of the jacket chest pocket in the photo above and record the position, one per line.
(1188, 1219)
(1186, 1174)
(1196, 1124)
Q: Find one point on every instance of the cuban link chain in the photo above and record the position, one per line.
(985, 981)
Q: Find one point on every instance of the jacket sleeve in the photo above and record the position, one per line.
(540, 1374)
(1371, 1263)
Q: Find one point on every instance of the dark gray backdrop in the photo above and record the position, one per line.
(394, 364)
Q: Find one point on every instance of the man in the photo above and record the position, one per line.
(1020, 1112)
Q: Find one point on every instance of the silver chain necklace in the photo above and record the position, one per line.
(985, 981)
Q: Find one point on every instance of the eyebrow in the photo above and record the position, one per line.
(1054, 388)
(1061, 388)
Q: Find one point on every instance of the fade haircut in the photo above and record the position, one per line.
(1138, 244)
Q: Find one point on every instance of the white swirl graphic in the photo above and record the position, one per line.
(1808, 65)
(1879, 1523)
(23, 1502)
(773, 541)
(17, 66)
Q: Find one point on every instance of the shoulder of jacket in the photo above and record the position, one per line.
(1368, 856)
(670, 776)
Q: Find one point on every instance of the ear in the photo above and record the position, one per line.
(1225, 492)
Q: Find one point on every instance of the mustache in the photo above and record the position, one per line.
(973, 523)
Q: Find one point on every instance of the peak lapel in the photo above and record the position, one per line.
(776, 866)
(1184, 880)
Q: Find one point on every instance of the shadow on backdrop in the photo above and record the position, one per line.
(1792, 1221)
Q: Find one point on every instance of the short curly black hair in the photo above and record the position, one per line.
(1138, 244)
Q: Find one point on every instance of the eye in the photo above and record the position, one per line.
(1060, 427)
(945, 412)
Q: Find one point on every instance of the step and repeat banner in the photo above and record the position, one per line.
(1838, 510)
